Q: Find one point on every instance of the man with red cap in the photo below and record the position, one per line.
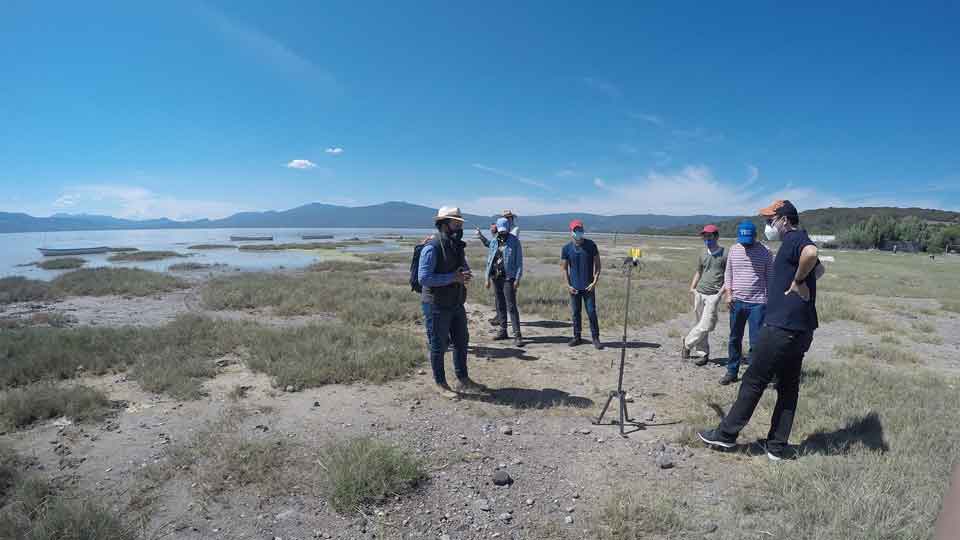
(580, 261)
(707, 286)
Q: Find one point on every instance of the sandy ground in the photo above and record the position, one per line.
(545, 395)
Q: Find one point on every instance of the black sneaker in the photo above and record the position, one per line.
(597, 345)
(786, 454)
(727, 379)
(713, 437)
(702, 361)
(495, 321)
(575, 341)
(501, 335)
(518, 341)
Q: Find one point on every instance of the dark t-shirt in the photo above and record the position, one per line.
(580, 262)
(789, 311)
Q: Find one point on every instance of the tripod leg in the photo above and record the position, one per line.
(605, 407)
(623, 414)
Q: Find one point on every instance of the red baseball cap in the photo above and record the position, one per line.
(576, 223)
(710, 229)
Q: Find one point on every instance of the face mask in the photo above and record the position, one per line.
(457, 234)
(772, 233)
(577, 235)
(710, 243)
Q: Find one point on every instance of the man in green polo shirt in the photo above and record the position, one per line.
(707, 289)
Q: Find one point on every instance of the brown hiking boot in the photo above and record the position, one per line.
(468, 386)
(444, 391)
(684, 351)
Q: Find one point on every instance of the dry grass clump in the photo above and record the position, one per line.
(333, 353)
(365, 471)
(113, 281)
(882, 353)
(144, 256)
(32, 509)
(20, 289)
(61, 263)
(350, 266)
(20, 407)
(357, 299)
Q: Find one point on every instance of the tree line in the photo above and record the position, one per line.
(910, 234)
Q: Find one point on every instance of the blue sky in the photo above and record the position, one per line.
(200, 109)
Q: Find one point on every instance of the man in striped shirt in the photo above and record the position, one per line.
(749, 268)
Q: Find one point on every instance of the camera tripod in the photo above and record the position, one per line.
(619, 394)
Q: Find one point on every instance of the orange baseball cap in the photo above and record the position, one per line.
(779, 208)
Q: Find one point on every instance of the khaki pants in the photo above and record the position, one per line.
(705, 307)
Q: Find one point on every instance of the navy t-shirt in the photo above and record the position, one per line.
(789, 311)
(580, 262)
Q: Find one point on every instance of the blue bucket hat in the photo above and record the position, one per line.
(746, 232)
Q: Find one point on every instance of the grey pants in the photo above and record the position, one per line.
(506, 298)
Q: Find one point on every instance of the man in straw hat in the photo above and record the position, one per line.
(790, 320)
(443, 273)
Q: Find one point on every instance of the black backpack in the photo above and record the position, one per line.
(415, 269)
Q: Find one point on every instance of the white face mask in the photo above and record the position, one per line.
(577, 235)
(772, 233)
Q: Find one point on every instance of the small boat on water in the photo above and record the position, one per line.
(251, 239)
(317, 237)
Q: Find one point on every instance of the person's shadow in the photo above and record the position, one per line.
(866, 430)
(499, 353)
(528, 398)
(546, 324)
(631, 345)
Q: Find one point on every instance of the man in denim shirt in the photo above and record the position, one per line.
(504, 270)
(443, 273)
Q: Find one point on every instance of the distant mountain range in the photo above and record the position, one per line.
(386, 215)
(406, 215)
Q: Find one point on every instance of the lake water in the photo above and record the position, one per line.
(17, 249)
(21, 248)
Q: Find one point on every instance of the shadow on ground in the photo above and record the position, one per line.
(546, 324)
(499, 353)
(528, 398)
(631, 345)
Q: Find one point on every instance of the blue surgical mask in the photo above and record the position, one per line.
(577, 235)
(710, 243)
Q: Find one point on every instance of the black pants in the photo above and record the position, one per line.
(779, 352)
(505, 295)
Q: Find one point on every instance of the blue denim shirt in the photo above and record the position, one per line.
(425, 270)
(512, 257)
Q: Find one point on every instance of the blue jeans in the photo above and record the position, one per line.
(589, 299)
(742, 313)
(427, 322)
(447, 322)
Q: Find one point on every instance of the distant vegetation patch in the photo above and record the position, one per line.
(308, 245)
(61, 263)
(143, 256)
(212, 246)
(188, 266)
(346, 266)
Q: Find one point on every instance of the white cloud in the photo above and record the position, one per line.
(334, 150)
(135, 202)
(651, 118)
(604, 87)
(267, 48)
(599, 183)
(301, 164)
(65, 201)
(512, 176)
